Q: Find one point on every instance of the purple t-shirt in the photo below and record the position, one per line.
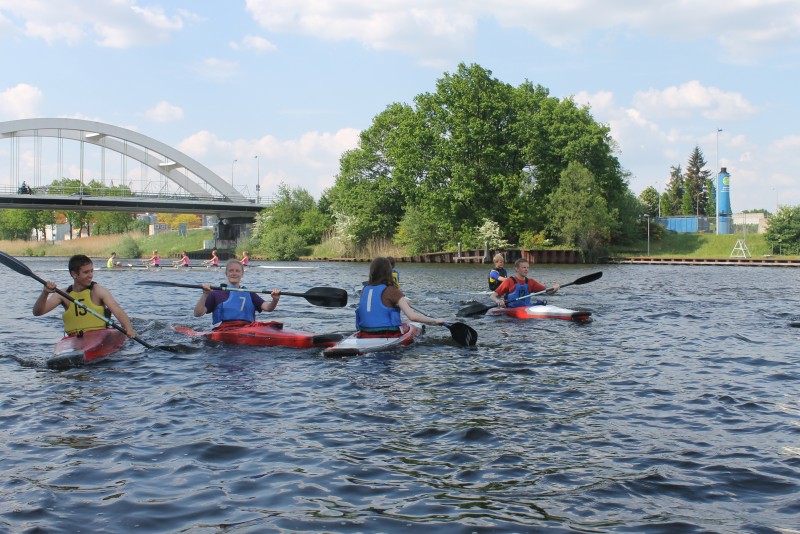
(217, 296)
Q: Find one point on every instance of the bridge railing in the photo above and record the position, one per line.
(6, 189)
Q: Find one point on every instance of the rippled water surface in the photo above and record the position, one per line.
(676, 410)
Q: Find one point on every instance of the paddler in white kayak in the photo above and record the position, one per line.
(89, 293)
(517, 286)
(378, 312)
(233, 307)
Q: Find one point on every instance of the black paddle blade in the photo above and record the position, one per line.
(473, 309)
(331, 297)
(463, 334)
(15, 264)
(586, 279)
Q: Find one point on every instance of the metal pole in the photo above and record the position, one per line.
(716, 180)
(258, 176)
(648, 235)
(232, 164)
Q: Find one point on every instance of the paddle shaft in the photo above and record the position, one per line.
(21, 268)
(319, 296)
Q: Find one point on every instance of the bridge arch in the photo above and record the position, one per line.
(182, 170)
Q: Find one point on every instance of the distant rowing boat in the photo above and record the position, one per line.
(130, 267)
(282, 267)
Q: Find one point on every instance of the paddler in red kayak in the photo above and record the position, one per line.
(89, 293)
(378, 313)
(238, 306)
(518, 286)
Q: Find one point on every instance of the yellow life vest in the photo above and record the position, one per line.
(76, 319)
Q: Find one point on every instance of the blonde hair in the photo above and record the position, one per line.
(498, 257)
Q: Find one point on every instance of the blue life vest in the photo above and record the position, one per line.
(519, 291)
(372, 314)
(238, 307)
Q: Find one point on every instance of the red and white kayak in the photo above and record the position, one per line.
(88, 347)
(264, 334)
(544, 311)
(359, 343)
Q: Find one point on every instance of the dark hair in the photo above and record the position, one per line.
(77, 261)
(380, 272)
(520, 261)
(391, 261)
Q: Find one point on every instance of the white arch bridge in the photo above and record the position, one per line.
(185, 185)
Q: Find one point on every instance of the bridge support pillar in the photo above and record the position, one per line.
(228, 231)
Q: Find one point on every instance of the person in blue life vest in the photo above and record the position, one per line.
(499, 273)
(395, 272)
(381, 303)
(233, 306)
(517, 286)
(89, 293)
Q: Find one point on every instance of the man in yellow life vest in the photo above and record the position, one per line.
(91, 294)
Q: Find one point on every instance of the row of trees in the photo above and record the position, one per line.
(690, 192)
(477, 156)
(32, 224)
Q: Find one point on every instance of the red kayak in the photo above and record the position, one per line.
(269, 334)
(87, 347)
(544, 311)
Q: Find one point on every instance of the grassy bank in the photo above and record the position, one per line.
(128, 246)
(697, 246)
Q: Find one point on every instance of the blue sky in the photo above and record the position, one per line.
(294, 81)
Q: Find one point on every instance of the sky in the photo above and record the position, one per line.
(276, 90)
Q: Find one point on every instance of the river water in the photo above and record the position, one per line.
(676, 410)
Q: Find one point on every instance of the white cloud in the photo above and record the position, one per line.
(692, 98)
(253, 42)
(310, 161)
(438, 30)
(117, 24)
(164, 112)
(20, 102)
(217, 69)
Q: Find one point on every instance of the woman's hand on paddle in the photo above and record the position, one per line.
(276, 296)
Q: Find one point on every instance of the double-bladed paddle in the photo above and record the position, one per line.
(476, 308)
(331, 297)
(21, 268)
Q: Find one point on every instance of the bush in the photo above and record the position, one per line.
(282, 244)
(531, 239)
(128, 248)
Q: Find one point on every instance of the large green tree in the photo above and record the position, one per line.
(783, 230)
(694, 200)
(17, 224)
(477, 149)
(671, 199)
(579, 214)
(651, 201)
(299, 219)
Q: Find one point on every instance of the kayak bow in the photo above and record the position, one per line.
(76, 350)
